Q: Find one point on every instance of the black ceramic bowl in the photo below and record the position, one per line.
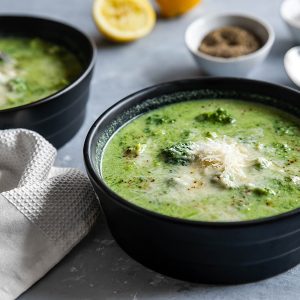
(59, 116)
(207, 252)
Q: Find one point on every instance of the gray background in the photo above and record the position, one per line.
(98, 268)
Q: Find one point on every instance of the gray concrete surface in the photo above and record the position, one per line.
(97, 268)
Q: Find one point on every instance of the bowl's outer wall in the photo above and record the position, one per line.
(61, 115)
(199, 251)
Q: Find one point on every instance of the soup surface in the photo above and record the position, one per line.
(31, 69)
(211, 160)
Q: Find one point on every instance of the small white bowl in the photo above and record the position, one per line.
(237, 66)
(290, 13)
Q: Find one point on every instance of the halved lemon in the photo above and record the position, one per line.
(124, 20)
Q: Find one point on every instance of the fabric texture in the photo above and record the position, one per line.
(44, 211)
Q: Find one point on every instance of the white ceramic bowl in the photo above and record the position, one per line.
(238, 66)
(290, 13)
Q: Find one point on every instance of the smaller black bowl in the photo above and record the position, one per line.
(59, 116)
(207, 252)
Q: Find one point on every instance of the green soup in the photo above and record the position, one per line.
(31, 69)
(212, 160)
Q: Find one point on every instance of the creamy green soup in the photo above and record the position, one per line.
(212, 160)
(31, 69)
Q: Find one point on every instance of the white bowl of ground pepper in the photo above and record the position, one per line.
(229, 45)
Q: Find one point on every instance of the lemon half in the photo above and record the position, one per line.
(124, 20)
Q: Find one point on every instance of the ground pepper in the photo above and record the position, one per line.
(229, 41)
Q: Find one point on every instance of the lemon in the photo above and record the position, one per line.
(173, 8)
(124, 20)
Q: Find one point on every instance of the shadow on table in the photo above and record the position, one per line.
(103, 43)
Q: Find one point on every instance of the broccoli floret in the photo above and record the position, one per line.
(281, 149)
(178, 154)
(218, 116)
(18, 85)
(282, 129)
(158, 120)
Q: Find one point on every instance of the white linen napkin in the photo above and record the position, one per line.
(44, 211)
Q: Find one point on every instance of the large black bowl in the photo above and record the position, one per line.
(208, 252)
(59, 116)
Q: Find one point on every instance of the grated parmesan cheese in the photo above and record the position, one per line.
(225, 160)
(295, 179)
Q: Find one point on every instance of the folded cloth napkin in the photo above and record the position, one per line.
(44, 211)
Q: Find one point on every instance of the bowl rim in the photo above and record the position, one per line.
(80, 77)
(148, 213)
(267, 45)
(290, 21)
